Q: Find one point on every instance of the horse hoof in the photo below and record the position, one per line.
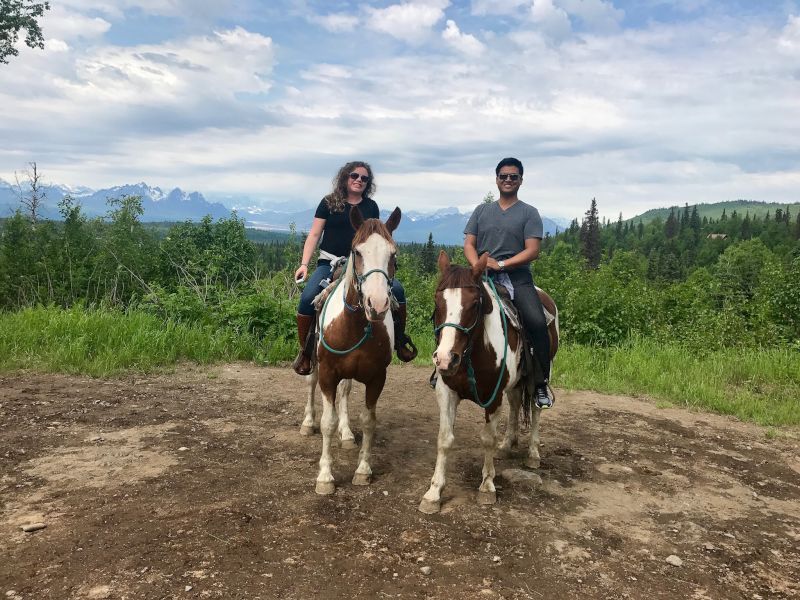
(325, 488)
(349, 444)
(532, 463)
(429, 507)
(362, 479)
(306, 430)
(487, 498)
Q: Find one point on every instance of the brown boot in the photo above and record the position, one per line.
(405, 348)
(302, 364)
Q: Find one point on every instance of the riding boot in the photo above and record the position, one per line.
(302, 364)
(405, 348)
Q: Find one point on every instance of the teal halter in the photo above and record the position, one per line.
(359, 281)
(468, 352)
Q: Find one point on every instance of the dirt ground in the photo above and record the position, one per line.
(197, 484)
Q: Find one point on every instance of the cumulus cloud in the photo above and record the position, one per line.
(550, 19)
(497, 7)
(336, 22)
(463, 42)
(598, 15)
(63, 24)
(789, 40)
(408, 21)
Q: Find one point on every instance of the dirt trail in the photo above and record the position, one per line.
(197, 485)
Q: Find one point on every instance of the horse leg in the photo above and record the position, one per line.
(511, 439)
(533, 460)
(345, 434)
(448, 404)
(363, 474)
(325, 481)
(307, 427)
(486, 492)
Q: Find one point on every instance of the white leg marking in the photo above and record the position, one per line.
(448, 404)
(343, 395)
(486, 491)
(511, 439)
(325, 481)
(307, 427)
(533, 460)
(363, 475)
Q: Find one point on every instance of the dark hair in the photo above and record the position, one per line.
(509, 162)
(338, 197)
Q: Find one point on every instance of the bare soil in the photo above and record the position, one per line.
(197, 484)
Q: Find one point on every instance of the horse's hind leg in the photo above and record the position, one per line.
(486, 492)
(345, 433)
(307, 427)
(448, 404)
(325, 481)
(511, 439)
(532, 461)
(363, 474)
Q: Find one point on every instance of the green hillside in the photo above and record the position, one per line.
(714, 210)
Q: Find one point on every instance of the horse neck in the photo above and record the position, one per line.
(490, 327)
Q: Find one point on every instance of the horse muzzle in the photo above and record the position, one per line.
(376, 314)
(446, 365)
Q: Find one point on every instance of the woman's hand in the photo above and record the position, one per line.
(301, 273)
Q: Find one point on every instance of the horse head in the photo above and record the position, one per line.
(460, 303)
(374, 261)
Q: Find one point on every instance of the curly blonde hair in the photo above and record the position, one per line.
(338, 197)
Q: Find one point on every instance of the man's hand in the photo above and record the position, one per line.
(492, 264)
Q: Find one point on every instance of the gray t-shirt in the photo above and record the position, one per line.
(502, 233)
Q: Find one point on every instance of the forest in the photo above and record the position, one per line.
(692, 310)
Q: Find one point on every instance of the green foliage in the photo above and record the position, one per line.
(16, 15)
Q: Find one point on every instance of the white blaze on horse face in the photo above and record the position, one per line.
(447, 335)
(376, 252)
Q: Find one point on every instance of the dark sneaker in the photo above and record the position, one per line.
(543, 397)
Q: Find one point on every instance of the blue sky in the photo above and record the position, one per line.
(639, 104)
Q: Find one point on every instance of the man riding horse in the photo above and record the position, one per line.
(511, 231)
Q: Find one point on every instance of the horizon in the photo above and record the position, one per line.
(641, 105)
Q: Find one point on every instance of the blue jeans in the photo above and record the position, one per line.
(323, 271)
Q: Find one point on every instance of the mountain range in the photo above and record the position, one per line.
(446, 225)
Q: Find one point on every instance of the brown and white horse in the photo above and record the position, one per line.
(470, 322)
(356, 339)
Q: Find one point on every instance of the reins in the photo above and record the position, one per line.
(473, 384)
(359, 281)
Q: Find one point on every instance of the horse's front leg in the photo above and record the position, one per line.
(511, 439)
(363, 474)
(307, 427)
(345, 433)
(325, 481)
(448, 404)
(486, 492)
(533, 461)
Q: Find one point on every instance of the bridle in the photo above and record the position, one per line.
(359, 281)
(468, 350)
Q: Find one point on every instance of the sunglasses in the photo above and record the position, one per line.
(508, 176)
(363, 178)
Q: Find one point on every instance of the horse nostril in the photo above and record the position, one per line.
(455, 358)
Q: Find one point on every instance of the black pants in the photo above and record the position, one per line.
(533, 320)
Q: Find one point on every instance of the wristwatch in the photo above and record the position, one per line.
(501, 264)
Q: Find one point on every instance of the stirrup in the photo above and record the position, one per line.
(401, 347)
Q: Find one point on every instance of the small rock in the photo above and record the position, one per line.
(496, 559)
(385, 493)
(709, 546)
(674, 561)
(11, 593)
(188, 588)
(33, 527)
(521, 477)
(395, 575)
(182, 449)
(425, 570)
(757, 597)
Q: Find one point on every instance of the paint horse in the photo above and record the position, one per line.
(479, 357)
(356, 339)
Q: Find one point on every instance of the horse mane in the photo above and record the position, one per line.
(455, 277)
(369, 227)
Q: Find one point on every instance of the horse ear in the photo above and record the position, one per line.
(444, 261)
(394, 219)
(356, 218)
(479, 267)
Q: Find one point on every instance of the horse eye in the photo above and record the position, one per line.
(357, 253)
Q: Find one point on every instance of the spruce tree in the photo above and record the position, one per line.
(590, 236)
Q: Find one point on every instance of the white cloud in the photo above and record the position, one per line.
(789, 40)
(409, 21)
(550, 19)
(64, 24)
(336, 22)
(497, 7)
(463, 42)
(599, 15)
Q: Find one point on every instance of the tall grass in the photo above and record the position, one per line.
(105, 342)
(760, 385)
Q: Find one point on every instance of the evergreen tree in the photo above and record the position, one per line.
(428, 256)
(685, 217)
(590, 236)
(671, 226)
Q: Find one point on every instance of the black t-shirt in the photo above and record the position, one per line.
(337, 235)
